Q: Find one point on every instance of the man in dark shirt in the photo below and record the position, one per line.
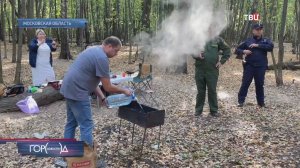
(255, 49)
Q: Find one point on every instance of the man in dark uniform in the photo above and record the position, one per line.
(255, 49)
(207, 72)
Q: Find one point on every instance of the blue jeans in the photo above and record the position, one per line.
(79, 114)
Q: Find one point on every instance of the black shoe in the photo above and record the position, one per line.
(262, 105)
(215, 114)
(240, 105)
(198, 114)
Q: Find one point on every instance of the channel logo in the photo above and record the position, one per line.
(48, 147)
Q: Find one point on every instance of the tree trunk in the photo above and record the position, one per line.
(52, 15)
(265, 21)
(1, 76)
(126, 32)
(65, 50)
(81, 30)
(4, 33)
(20, 44)
(3, 11)
(275, 21)
(129, 30)
(116, 19)
(273, 12)
(1, 28)
(79, 14)
(146, 8)
(44, 9)
(13, 23)
(279, 80)
(19, 16)
(107, 17)
(87, 15)
(30, 14)
(240, 28)
(56, 32)
(298, 30)
(231, 28)
(49, 95)
(274, 65)
(9, 26)
(38, 6)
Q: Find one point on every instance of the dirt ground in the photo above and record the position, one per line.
(241, 137)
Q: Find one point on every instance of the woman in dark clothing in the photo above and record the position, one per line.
(40, 58)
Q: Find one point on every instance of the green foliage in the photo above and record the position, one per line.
(159, 10)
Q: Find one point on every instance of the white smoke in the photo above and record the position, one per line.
(186, 30)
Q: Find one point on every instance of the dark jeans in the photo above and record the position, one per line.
(250, 72)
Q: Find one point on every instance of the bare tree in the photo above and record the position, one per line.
(13, 25)
(87, 15)
(20, 44)
(3, 5)
(1, 76)
(30, 14)
(146, 8)
(297, 48)
(279, 80)
(79, 34)
(38, 6)
(107, 22)
(65, 50)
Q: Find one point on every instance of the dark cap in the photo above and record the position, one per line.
(257, 26)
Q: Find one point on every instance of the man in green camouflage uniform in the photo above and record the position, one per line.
(207, 73)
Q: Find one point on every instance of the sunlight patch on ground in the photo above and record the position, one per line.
(237, 73)
(223, 95)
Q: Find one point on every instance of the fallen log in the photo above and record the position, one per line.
(287, 65)
(49, 95)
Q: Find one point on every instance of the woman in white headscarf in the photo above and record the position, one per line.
(40, 58)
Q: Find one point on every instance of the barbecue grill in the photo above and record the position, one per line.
(143, 116)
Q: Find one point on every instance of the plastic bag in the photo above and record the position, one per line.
(28, 105)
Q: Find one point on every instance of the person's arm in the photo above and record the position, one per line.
(268, 46)
(51, 44)
(33, 45)
(100, 94)
(226, 51)
(112, 88)
(240, 48)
